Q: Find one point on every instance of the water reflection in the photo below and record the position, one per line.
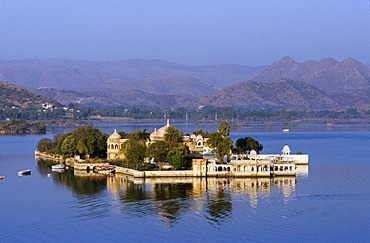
(80, 184)
(169, 199)
(218, 206)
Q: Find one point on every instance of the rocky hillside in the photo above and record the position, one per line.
(286, 83)
(15, 97)
(348, 81)
(283, 93)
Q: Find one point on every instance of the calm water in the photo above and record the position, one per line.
(330, 203)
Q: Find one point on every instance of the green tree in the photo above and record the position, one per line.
(141, 136)
(241, 145)
(85, 141)
(134, 152)
(219, 142)
(44, 145)
(58, 140)
(69, 145)
(90, 142)
(82, 147)
(158, 151)
(172, 134)
(220, 145)
(178, 156)
(245, 145)
(224, 129)
(123, 134)
(202, 133)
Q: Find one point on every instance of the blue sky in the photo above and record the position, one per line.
(196, 32)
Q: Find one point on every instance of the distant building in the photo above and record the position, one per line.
(196, 143)
(114, 145)
(158, 135)
(47, 106)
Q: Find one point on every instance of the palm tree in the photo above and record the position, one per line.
(141, 136)
(172, 134)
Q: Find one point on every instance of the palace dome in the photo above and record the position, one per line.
(286, 150)
(159, 134)
(115, 135)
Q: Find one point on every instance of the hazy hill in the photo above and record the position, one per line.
(347, 81)
(283, 93)
(12, 96)
(95, 75)
(171, 85)
(286, 83)
(126, 98)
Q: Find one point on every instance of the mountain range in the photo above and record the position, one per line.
(285, 84)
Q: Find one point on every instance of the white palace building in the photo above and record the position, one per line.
(251, 165)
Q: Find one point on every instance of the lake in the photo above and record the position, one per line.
(330, 203)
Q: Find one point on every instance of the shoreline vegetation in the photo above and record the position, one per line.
(80, 113)
(20, 126)
(139, 151)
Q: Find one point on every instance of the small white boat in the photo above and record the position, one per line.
(58, 167)
(57, 170)
(285, 130)
(24, 172)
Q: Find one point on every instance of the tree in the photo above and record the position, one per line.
(219, 142)
(241, 145)
(158, 151)
(141, 136)
(178, 156)
(202, 133)
(220, 145)
(245, 145)
(90, 142)
(82, 147)
(123, 134)
(58, 140)
(224, 129)
(44, 145)
(134, 152)
(172, 134)
(85, 141)
(69, 145)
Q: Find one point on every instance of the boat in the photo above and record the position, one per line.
(58, 167)
(57, 170)
(104, 169)
(285, 130)
(24, 172)
(2, 178)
